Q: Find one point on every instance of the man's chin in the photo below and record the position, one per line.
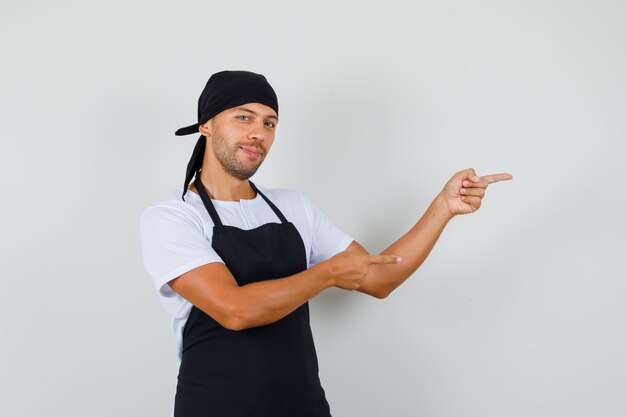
(244, 175)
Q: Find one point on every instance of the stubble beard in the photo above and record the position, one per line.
(227, 157)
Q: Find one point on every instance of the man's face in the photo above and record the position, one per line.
(241, 137)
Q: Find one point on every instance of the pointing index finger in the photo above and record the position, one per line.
(385, 259)
(497, 177)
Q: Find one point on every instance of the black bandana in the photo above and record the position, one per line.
(225, 90)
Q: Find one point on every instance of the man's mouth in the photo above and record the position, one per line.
(251, 150)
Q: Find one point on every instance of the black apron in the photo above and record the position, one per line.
(266, 371)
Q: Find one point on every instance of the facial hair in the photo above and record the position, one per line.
(227, 156)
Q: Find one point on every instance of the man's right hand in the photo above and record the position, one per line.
(349, 269)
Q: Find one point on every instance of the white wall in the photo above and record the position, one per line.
(519, 311)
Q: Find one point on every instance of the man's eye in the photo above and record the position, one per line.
(270, 124)
(243, 116)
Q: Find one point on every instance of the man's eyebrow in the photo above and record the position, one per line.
(255, 113)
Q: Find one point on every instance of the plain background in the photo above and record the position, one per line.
(519, 310)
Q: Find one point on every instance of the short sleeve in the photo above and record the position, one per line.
(327, 239)
(173, 243)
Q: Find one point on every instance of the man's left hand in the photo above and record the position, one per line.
(464, 192)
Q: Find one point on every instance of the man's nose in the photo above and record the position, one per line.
(258, 131)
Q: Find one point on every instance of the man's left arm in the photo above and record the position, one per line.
(462, 194)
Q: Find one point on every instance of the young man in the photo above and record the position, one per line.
(236, 263)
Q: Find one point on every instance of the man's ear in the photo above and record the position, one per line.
(205, 129)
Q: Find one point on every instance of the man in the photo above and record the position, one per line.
(236, 263)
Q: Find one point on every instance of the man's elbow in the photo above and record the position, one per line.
(376, 292)
(233, 324)
(381, 295)
(232, 317)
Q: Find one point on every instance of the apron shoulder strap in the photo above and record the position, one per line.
(213, 213)
(207, 202)
(272, 206)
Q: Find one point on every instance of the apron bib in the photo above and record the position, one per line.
(266, 371)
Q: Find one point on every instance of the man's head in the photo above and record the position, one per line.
(225, 92)
(240, 138)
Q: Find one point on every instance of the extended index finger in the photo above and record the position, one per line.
(497, 177)
(384, 259)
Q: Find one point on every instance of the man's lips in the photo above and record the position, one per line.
(252, 150)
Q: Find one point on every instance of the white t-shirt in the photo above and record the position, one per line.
(176, 237)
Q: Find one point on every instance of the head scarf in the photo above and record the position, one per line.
(224, 90)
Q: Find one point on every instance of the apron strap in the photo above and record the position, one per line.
(272, 206)
(213, 213)
(207, 202)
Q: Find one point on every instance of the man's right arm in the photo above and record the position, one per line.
(213, 289)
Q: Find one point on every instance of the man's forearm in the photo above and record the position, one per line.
(413, 247)
(265, 302)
